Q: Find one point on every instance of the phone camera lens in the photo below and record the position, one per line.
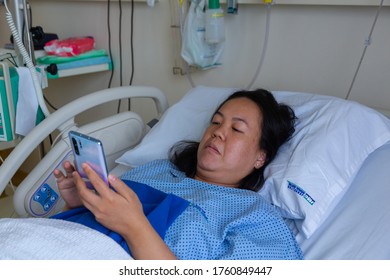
(76, 148)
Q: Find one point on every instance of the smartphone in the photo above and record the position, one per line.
(89, 150)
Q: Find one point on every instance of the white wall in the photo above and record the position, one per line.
(311, 49)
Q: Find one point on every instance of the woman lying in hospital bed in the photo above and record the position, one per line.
(207, 206)
(329, 182)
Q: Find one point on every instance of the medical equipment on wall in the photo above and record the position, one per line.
(185, 67)
(25, 101)
(8, 84)
(232, 7)
(196, 50)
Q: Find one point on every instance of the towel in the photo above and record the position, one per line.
(28, 113)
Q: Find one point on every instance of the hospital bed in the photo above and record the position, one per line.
(330, 181)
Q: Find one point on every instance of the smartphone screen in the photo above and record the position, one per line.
(89, 150)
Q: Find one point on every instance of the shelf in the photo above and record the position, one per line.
(80, 71)
(97, 62)
(65, 72)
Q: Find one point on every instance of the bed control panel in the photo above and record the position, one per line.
(43, 200)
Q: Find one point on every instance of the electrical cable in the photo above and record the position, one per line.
(50, 104)
(120, 44)
(109, 42)
(131, 51)
(366, 44)
(265, 45)
(120, 52)
(181, 27)
(44, 97)
(132, 43)
(58, 138)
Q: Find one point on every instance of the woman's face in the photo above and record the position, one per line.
(229, 149)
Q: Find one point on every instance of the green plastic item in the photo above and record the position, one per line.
(5, 120)
(49, 59)
(214, 4)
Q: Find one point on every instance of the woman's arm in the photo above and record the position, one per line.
(121, 211)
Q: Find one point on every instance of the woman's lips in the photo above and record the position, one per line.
(213, 148)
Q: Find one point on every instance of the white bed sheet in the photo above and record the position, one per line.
(51, 239)
(359, 226)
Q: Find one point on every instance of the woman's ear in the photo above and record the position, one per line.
(260, 159)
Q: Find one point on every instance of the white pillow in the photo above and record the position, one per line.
(313, 170)
(310, 173)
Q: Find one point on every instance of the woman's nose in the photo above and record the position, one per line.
(220, 132)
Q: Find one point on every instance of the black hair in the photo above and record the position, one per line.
(276, 128)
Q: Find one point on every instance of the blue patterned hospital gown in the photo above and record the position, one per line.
(221, 222)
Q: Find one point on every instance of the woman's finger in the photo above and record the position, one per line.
(87, 195)
(68, 167)
(120, 187)
(58, 174)
(100, 186)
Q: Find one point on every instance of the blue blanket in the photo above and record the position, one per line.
(160, 208)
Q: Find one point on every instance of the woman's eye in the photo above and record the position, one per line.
(237, 130)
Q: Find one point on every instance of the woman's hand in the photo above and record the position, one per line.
(120, 210)
(117, 210)
(67, 186)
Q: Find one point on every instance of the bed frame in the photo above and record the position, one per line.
(38, 195)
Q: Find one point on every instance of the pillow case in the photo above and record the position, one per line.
(310, 173)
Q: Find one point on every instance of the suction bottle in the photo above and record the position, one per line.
(215, 24)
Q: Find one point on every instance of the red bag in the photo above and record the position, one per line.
(70, 47)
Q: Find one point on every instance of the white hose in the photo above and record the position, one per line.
(366, 44)
(26, 57)
(264, 50)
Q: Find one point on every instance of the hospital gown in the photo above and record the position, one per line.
(220, 222)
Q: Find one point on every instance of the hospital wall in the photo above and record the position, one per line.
(311, 48)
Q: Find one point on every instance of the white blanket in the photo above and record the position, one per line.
(50, 239)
